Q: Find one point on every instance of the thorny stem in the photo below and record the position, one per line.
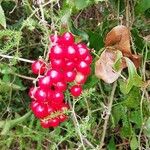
(108, 115)
(17, 58)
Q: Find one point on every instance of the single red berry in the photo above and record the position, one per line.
(69, 65)
(45, 82)
(55, 75)
(33, 105)
(38, 67)
(71, 52)
(69, 76)
(83, 67)
(76, 90)
(80, 78)
(58, 97)
(61, 86)
(57, 63)
(88, 59)
(82, 51)
(45, 123)
(56, 52)
(54, 122)
(67, 38)
(54, 38)
(40, 111)
(32, 92)
(81, 45)
(49, 95)
(63, 118)
(41, 95)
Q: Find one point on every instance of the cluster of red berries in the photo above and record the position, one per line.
(68, 67)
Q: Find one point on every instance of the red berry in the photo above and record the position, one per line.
(55, 75)
(80, 78)
(88, 59)
(56, 52)
(54, 122)
(58, 97)
(61, 86)
(54, 38)
(83, 67)
(67, 38)
(69, 76)
(57, 63)
(38, 67)
(45, 123)
(45, 82)
(41, 95)
(69, 65)
(32, 92)
(82, 51)
(76, 90)
(33, 105)
(71, 52)
(40, 110)
(49, 95)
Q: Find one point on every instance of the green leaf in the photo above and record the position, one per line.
(2, 17)
(81, 4)
(78, 32)
(118, 61)
(136, 118)
(142, 6)
(132, 100)
(134, 142)
(111, 144)
(133, 80)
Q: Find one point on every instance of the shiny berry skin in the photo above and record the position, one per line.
(71, 52)
(76, 90)
(57, 63)
(38, 67)
(32, 92)
(61, 86)
(54, 38)
(83, 67)
(33, 105)
(55, 75)
(63, 118)
(67, 38)
(69, 65)
(58, 97)
(45, 123)
(82, 52)
(88, 59)
(40, 111)
(54, 122)
(41, 95)
(45, 82)
(56, 52)
(69, 76)
(80, 78)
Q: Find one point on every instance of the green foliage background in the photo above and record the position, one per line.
(25, 27)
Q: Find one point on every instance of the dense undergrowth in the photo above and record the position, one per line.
(93, 122)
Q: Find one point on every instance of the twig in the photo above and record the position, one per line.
(24, 77)
(108, 115)
(13, 57)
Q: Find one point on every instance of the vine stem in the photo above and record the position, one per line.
(108, 114)
(13, 57)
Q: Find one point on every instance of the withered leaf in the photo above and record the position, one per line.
(104, 66)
